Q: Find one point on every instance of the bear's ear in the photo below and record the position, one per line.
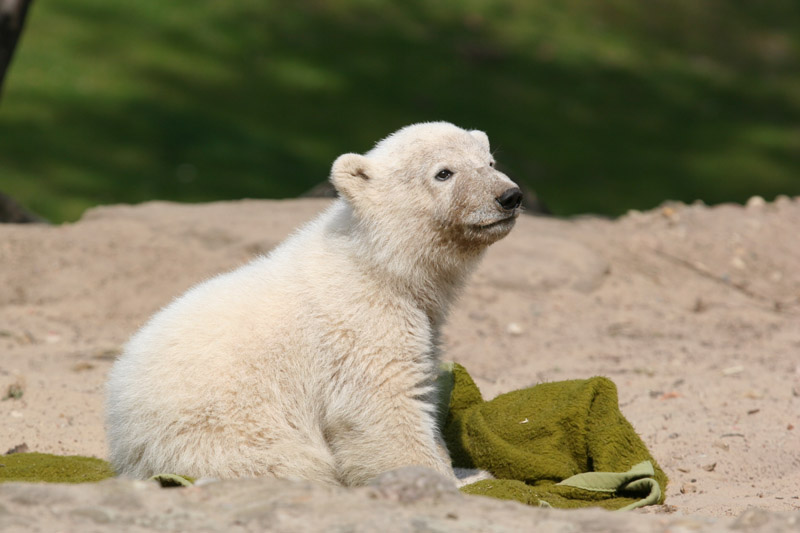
(482, 138)
(350, 174)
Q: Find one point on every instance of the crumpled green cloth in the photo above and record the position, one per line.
(563, 444)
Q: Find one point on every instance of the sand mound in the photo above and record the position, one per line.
(693, 311)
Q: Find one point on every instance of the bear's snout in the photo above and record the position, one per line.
(510, 199)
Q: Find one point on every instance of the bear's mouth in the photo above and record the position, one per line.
(500, 222)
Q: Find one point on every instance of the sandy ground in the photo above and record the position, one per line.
(693, 311)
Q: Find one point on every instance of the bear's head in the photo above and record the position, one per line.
(430, 184)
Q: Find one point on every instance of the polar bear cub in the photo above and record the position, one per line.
(318, 360)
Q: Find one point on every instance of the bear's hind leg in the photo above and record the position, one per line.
(307, 462)
(365, 447)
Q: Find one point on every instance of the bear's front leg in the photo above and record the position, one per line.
(393, 432)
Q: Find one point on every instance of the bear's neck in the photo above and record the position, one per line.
(430, 287)
(410, 263)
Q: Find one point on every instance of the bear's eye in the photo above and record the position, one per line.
(491, 164)
(444, 174)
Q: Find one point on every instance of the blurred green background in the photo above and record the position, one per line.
(598, 106)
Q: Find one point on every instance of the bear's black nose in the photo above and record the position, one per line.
(510, 199)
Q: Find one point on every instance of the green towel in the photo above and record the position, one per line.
(563, 444)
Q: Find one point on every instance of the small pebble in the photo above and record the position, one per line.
(514, 329)
(699, 305)
(80, 366)
(732, 370)
(721, 445)
(478, 316)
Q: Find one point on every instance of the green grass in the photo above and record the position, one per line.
(598, 106)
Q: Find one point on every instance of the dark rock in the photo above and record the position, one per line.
(12, 212)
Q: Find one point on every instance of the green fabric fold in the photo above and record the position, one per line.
(173, 480)
(639, 480)
(563, 444)
(44, 467)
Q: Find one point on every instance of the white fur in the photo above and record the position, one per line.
(317, 361)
